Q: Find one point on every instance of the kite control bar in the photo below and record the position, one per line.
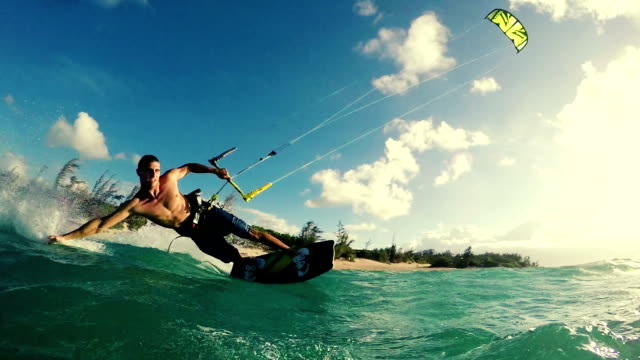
(214, 161)
(246, 197)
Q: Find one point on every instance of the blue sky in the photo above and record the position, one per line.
(533, 153)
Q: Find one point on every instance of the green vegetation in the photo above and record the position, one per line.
(447, 259)
(310, 233)
(343, 244)
(72, 193)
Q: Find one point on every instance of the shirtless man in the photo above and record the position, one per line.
(160, 201)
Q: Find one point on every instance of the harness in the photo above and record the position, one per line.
(198, 206)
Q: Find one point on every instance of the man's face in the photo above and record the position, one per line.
(149, 174)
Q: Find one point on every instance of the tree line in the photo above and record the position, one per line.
(343, 250)
(103, 198)
(447, 259)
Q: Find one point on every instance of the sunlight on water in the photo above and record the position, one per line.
(478, 314)
(74, 301)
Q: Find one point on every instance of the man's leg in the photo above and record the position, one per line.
(218, 247)
(267, 239)
(240, 228)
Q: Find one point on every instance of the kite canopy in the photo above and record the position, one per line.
(510, 26)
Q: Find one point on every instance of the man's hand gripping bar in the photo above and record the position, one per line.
(246, 197)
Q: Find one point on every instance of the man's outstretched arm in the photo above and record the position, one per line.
(183, 170)
(97, 225)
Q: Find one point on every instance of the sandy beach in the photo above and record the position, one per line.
(360, 264)
(338, 264)
(371, 265)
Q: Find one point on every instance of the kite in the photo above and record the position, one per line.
(510, 26)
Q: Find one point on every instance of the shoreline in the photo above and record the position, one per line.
(338, 264)
(372, 265)
(361, 264)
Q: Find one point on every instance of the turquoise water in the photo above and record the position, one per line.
(128, 298)
(116, 300)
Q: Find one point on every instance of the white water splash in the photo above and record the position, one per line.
(35, 215)
(30, 214)
(88, 244)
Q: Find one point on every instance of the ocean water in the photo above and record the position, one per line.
(128, 298)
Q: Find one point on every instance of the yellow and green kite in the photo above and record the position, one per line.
(510, 26)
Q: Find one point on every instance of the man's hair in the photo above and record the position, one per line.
(146, 160)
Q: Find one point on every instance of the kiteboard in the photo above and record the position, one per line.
(281, 268)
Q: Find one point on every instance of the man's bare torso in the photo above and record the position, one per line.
(169, 208)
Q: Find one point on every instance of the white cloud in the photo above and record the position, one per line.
(588, 198)
(360, 227)
(80, 187)
(270, 221)
(453, 238)
(14, 163)
(136, 158)
(523, 232)
(598, 176)
(305, 192)
(485, 86)
(527, 235)
(422, 135)
(552, 243)
(365, 8)
(459, 164)
(507, 161)
(379, 189)
(375, 189)
(600, 10)
(9, 100)
(387, 44)
(120, 156)
(419, 52)
(126, 187)
(84, 136)
(557, 8)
